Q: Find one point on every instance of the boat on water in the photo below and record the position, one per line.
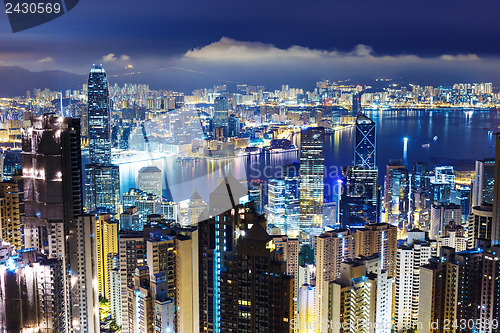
(426, 145)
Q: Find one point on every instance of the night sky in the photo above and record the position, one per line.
(267, 41)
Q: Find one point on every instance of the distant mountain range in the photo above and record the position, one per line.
(14, 81)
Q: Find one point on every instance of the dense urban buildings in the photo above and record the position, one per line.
(218, 212)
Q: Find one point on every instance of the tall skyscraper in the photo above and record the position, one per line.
(410, 258)
(483, 182)
(396, 201)
(360, 198)
(292, 198)
(99, 117)
(312, 169)
(102, 179)
(437, 302)
(360, 297)
(332, 247)
(52, 182)
(366, 145)
(53, 207)
(441, 216)
(221, 113)
(102, 188)
(106, 234)
(236, 252)
(275, 208)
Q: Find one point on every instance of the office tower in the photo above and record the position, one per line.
(454, 237)
(332, 247)
(292, 198)
(106, 234)
(149, 180)
(365, 146)
(233, 126)
(360, 299)
(196, 207)
(381, 239)
(275, 208)
(28, 300)
(99, 117)
(149, 308)
(495, 232)
(419, 173)
(238, 252)
(410, 258)
(360, 198)
(480, 224)
(132, 254)
(129, 219)
(187, 282)
(221, 111)
(437, 301)
(312, 165)
(483, 182)
(10, 225)
(102, 188)
(441, 216)
(255, 195)
(396, 202)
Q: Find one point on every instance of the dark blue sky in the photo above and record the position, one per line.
(152, 34)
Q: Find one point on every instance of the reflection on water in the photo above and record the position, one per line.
(461, 139)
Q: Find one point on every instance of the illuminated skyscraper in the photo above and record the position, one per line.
(275, 209)
(396, 201)
(484, 180)
(221, 113)
(238, 252)
(365, 147)
(360, 198)
(312, 169)
(102, 180)
(102, 188)
(99, 117)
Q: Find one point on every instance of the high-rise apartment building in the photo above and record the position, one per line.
(236, 252)
(10, 224)
(480, 224)
(360, 299)
(410, 258)
(332, 247)
(381, 239)
(106, 234)
(312, 165)
(495, 230)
